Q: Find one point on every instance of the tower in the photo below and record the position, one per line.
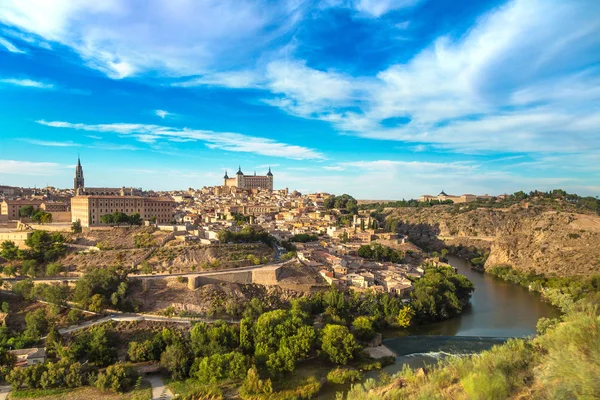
(270, 175)
(239, 178)
(225, 178)
(78, 181)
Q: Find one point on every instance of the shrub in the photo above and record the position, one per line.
(117, 377)
(343, 375)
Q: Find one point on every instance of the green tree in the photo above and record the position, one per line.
(405, 316)
(440, 294)
(135, 219)
(54, 269)
(5, 307)
(26, 211)
(363, 328)
(246, 335)
(118, 378)
(76, 227)
(107, 219)
(175, 359)
(36, 323)
(9, 250)
(253, 385)
(29, 268)
(45, 247)
(338, 344)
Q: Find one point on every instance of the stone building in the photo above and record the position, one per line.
(89, 209)
(249, 181)
(11, 207)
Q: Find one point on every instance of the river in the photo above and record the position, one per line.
(498, 311)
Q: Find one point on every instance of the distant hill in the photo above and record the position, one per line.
(553, 237)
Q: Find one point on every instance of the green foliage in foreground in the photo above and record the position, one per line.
(562, 363)
(343, 375)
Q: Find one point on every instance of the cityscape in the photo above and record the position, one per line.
(349, 200)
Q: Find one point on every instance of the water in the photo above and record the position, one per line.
(498, 311)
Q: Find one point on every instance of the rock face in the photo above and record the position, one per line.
(528, 239)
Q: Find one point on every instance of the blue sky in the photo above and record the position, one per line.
(381, 99)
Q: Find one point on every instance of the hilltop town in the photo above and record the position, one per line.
(120, 283)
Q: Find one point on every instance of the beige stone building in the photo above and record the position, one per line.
(465, 198)
(89, 209)
(11, 207)
(249, 181)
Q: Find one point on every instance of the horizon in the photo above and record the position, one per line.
(382, 100)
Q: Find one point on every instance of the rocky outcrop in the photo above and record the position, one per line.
(528, 239)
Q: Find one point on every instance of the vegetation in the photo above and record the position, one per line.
(343, 375)
(76, 227)
(101, 288)
(440, 294)
(345, 203)
(304, 238)
(118, 218)
(377, 252)
(556, 198)
(248, 234)
(561, 291)
(562, 362)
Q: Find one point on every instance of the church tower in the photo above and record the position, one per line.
(78, 181)
(270, 176)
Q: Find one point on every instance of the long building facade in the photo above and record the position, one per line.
(249, 181)
(88, 210)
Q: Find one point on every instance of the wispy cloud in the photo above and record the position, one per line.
(122, 39)
(227, 141)
(15, 167)
(162, 113)
(27, 83)
(49, 143)
(10, 47)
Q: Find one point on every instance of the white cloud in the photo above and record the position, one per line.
(227, 141)
(49, 143)
(14, 167)
(377, 8)
(122, 38)
(10, 47)
(27, 83)
(524, 78)
(232, 79)
(162, 113)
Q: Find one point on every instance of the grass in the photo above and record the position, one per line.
(37, 393)
(191, 387)
(87, 393)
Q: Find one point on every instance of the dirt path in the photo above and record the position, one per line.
(159, 390)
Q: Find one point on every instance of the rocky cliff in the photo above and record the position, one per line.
(528, 239)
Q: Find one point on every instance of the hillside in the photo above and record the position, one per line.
(540, 239)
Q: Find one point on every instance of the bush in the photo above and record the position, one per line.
(343, 375)
(117, 378)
